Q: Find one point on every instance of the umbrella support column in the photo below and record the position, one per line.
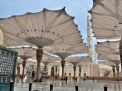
(117, 68)
(113, 69)
(80, 72)
(23, 71)
(18, 73)
(56, 70)
(62, 65)
(74, 68)
(39, 53)
(120, 50)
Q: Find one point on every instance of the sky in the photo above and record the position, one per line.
(76, 8)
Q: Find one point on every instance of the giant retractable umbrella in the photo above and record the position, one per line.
(74, 61)
(111, 60)
(107, 18)
(41, 29)
(25, 53)
(56, 64)
(67, 50)
(46, 59)
(105, 62)
(85, 60)
(109, 51)
(80, 67)
(104, 70)
(117, 62)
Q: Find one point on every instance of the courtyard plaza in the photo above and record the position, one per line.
(88, 85)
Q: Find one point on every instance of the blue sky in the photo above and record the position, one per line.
(76, 8)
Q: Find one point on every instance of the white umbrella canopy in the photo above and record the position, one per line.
(55, 63)
(42, 29)
(25, 52)
(49, 59)
(117, 62)
(106, 18)
(104, 69)
(105, 62)
(109, 47)
(107, 56)
(73, 60)
(65, 50)
(48, 27)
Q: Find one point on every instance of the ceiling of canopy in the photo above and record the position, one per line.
(49, 58)
(25, 52)
(107, 18)
(84, 60)
(108, 51)
(111, 47)
(73, 60)
(110, 57)
(105, 62)
(65, 50)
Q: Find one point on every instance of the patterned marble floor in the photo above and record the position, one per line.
(70, 86)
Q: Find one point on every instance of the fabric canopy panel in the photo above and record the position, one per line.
(117, 62)
(108, 50)
(65, 50)
(73, 60)
(106, 18)
(108, 57)
(105, 67)
(41, 29)
(105, 62)
(25, 52)
(47, 57)
(111, 47)
(45, 28)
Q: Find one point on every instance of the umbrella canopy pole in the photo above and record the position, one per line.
(18, 73)
(74, 68)
(23, 71)
(63, 65)
(117, 69)
(56, 70)
(39, 53)
(79, 71)
(113, 69)
(120, 50)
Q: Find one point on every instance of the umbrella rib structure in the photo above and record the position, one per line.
(106, 19)
(45, 30)
(24, 53)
